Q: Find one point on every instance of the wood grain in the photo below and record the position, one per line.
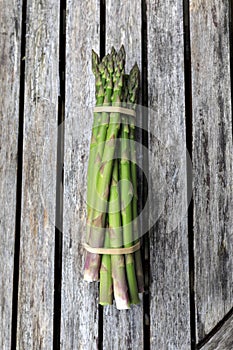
(10, 43)
(212, 162)
(123, 329)
(212, 173)
(169, 286)
(79, 314)
(36, 275)
(222, 340)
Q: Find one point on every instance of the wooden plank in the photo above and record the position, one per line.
(10, 43)
(36, 275)
(212, 162)
(222, 340)
(79, 318)
(169, 286)
(123, 329)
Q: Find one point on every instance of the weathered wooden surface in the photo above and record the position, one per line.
(223, 339)
(212, 162)
(81, 325)
(36, 275)
(169, 288)
(79, 318)
(123, 329)
(10, 42)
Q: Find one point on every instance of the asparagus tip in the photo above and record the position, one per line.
(95, 60)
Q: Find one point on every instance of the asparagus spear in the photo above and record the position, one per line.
(96, 239)
(105, 269)
(126, 196)
(116, 241)
(138, 262)
(126, 215)
(105, 293)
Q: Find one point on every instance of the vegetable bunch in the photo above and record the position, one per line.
(112, 184)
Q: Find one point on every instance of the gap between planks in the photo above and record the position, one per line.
(19, 180)
(59, 183)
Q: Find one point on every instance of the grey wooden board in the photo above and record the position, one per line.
(79, 312)
(169, 287)
(36, 274)
(223, 339)
(10, 42)
(212, 162)
(123, 329)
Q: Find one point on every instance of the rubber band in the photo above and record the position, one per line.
(116, 109)
(112, 251)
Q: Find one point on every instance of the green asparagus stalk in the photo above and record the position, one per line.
(105, 296)
(137, 254)
(106, 291)
(126, 212)
(138, 261)
(126, 206)
(96, 238)
(116, 241)
(105, 269)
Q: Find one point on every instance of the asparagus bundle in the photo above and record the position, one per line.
(112, 185)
